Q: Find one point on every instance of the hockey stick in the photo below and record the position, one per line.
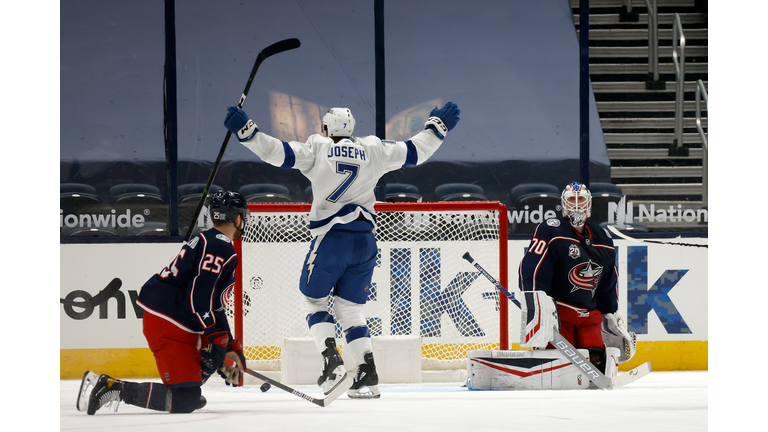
(341, 387)
(626, 237)
(565, 347)
(275, 48)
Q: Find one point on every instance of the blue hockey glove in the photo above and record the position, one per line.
(213, 351)
(443, 120)
(238, 123)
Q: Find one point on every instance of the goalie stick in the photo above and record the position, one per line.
(614, 230)
(275, 48)
(565, 347)
(341, 387)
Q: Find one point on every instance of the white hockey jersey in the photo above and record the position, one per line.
(343, 174)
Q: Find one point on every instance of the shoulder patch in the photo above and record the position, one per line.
(192, 243)
(223, 238)
(553, 222)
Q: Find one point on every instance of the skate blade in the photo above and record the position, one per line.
(361, 393)
(89, 380)
(330, 385)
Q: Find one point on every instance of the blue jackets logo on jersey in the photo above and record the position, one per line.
(585, 276)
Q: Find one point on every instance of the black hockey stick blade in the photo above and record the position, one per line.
(275, 48)
(102, 296)
(614, 230)
(337, 391)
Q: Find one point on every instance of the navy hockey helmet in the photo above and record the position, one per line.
(226, 205)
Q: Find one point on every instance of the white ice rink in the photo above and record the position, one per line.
(661, 401)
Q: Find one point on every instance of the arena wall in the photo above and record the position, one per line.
(663, 294)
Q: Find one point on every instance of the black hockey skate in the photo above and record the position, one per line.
(333, 368)
(366, 378)
(106, 391)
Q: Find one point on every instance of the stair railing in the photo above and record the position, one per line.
(678, 42)
(701, 92)
(653, 82)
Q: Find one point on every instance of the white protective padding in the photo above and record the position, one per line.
(300, 362)
(397, 358)
(524, 370)
(538, 319)
(615, 334)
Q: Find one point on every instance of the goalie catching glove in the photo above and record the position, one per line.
(233, 375)
(539, 319)
(615, 335)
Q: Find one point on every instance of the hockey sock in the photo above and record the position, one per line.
(154, 396)
(185, 399)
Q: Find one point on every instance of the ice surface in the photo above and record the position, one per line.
(661, 401)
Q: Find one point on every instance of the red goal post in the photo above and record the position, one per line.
(421, 285)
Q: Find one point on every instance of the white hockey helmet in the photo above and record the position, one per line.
(576, 202)
(339, 122)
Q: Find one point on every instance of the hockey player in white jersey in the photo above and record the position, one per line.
(343, 170)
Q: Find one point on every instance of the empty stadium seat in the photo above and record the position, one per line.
(401, 192)
(460, 192)
(77, 196)
(85, 231)
(149, 229)
(265, 193)
(191, 192)
(602, 194)
(139, 199)
(135, 193)
(533, 200)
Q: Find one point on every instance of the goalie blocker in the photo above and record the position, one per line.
(546, 369)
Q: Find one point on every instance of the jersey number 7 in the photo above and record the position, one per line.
(351, 171)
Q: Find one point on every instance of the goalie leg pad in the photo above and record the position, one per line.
(539, 319)
(524, 370)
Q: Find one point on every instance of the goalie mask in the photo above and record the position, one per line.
(576, 202)
(339, 122)
(226, 205)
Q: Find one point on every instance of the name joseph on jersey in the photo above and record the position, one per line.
(346, 151)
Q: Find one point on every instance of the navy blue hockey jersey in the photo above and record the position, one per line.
(193, 289)
(574, 269)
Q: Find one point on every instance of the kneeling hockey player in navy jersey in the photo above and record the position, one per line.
(343, 170)
(185, 323)
(569, 275)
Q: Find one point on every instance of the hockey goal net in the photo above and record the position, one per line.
(421, 285)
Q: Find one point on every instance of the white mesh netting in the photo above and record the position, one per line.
(421, 284)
